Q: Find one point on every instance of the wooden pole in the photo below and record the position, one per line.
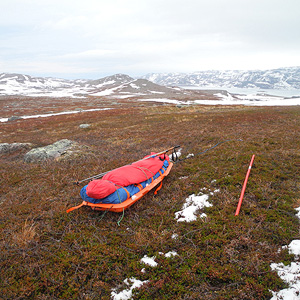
(244, 187)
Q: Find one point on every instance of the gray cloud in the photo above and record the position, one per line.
(95, 38)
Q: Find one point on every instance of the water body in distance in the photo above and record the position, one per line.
(249, 91)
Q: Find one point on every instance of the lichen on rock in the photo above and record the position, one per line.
(53, 151)
(6, 148)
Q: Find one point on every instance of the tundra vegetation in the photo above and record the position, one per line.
(49, 254)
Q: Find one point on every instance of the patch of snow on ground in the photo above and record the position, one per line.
(127, 294)
(164, 100)
(290, 274)
(104, 93)
(149, 261)
(215, 191)
(298, 213)
(134, 86)
(190, 208)
(171, 253)
(294, 248)
(155, 92)
(251, 100)
(227, 97)
(55, 114)
(125, 96)
(174, 236)
(248, 100)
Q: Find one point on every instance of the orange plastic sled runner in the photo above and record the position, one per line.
(128, 202)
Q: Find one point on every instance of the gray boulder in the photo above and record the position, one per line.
(6, 148)
(53, 151)
(13, 118)
(84, 125)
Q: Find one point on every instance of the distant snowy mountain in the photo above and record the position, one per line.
(158, 85)
(283, 78)
(136, 88)
(118, 86)
(18, 84)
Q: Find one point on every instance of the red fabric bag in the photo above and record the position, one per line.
(131, 174)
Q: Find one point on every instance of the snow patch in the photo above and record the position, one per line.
(290, 274)
(104, 93)
(164, 100)
(134, 86)
(135, 283)
(155, 92)
(298, 213)
(149, 261)
(190, 208)
(174, 236)
(171, 253)
(127, 293)
(227, 97)
(55, 114)
(248, 100)
(294, 248)
(252, 100)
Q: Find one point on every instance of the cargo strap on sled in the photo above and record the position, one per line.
(76, 207)
(160, 186)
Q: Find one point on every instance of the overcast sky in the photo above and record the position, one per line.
(95, 38)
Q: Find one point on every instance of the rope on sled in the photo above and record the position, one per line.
(104, 173)
(176, 159)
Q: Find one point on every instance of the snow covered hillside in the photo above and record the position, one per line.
(283, 78)
(119, 85)
(160, 87)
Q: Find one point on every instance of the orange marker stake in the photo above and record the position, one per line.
(244, 187)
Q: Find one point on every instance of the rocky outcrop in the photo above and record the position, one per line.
(6, 148)
(53, 151)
